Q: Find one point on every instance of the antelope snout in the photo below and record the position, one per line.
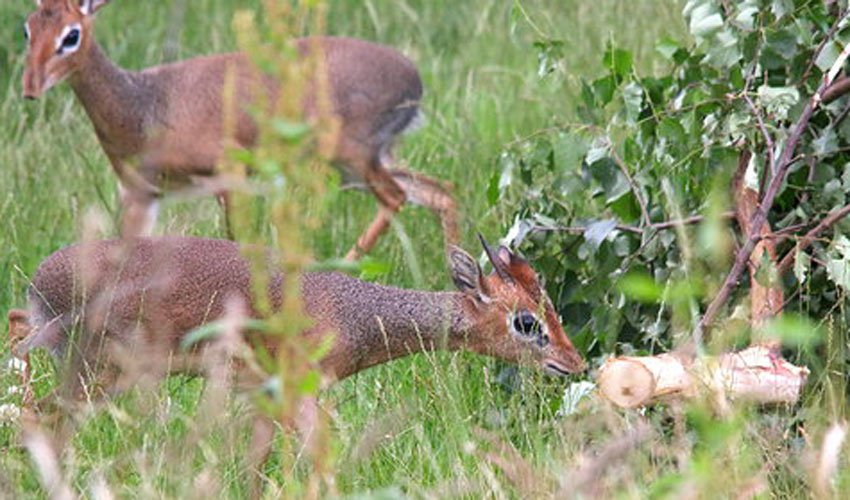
(568, 363)
(32, 85)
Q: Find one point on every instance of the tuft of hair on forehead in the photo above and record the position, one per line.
(521, 272)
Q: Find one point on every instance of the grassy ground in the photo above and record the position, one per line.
(412, 428)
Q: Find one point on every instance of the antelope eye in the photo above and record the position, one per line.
(526, 324)
(26, 32)
(72, 39)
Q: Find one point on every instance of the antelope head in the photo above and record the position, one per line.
(511, 315)
(58, 34)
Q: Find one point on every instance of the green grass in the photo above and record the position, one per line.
(411, 426)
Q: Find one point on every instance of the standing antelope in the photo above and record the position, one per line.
(144, 299)
(162, 128)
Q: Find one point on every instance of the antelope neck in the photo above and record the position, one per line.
(111, 96)
(377, 323)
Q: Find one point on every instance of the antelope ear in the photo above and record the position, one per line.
(89, 7)
(466, 273)
(18, 325)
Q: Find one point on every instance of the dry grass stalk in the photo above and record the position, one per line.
(45, 460)
(828, 458)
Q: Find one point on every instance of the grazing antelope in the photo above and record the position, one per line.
(144, 299)
(162, 128)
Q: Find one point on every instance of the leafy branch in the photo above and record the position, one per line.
(779, 171)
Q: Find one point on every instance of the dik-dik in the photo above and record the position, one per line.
(144, 299)
(162, 128)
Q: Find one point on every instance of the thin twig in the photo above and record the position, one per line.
(820, 47)
(807, 240)
(635, 188)
(633, 229)
(767, 139)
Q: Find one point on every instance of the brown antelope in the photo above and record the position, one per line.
(145, 298)
(162, 128)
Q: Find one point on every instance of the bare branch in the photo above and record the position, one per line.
(634, 229)
(807, 240)
(836, 90)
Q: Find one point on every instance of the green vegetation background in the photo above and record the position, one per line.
(482, 91)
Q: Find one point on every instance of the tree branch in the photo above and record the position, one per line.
(807, 240)
(758, 219)
(634, 229)
(836, 90)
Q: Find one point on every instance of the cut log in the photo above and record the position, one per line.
(754, 374)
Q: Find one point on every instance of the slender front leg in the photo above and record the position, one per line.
(391, 197)
(140, 208)
(369, 237)
(435, 195)
(223, 198)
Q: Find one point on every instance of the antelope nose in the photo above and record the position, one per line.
(29, 97)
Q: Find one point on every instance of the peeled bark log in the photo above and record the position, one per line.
(754, 374)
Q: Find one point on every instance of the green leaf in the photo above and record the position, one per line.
(747, 11)
(493, 192)
(200, 334)
(311, 383)
(838, 271)
(832, 50)
(826, 143)
(723, 52)
(617, 61)
(667, 47)
(704, 19)
(641, 287)
(569, 150)
(783, 42)
(245, 156)
(598, 150)
(777, 101)
(289, 130)
(268, 167)
(573, 395)
(372, 268)
(766, 273)
(603, 89)
(802, 263)
(598, 231)
(633, 100)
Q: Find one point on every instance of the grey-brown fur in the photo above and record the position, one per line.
(165, 287)
(146, 294)
(138, 298)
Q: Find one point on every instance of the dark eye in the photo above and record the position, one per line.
(526, 324)
(71, 39)
(26, 32)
